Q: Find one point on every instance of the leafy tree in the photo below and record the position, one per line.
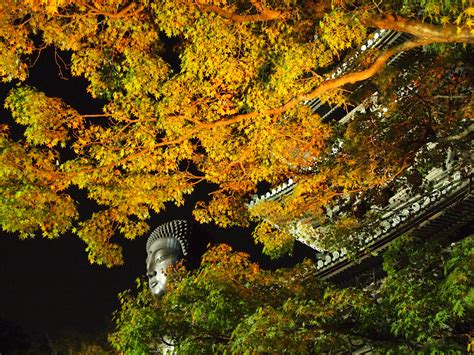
(229, 112)
(429, 291)
(231, 305)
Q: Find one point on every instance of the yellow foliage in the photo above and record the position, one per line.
(226, 109)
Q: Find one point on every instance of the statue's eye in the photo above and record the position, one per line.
(160, 258)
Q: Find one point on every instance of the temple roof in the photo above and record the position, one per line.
(444, 205)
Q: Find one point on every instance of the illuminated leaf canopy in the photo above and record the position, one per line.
(226, 110)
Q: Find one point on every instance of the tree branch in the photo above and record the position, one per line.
(439, 34)
(426, 34)
(321, 89)
(350, 78)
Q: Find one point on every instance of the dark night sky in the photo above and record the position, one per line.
(48, 286)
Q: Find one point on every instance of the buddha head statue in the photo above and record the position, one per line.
(166, 245)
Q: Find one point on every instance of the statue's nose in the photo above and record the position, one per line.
(151, 273)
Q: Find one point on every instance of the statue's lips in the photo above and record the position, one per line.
(153, 284)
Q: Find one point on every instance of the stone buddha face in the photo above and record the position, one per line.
(162, 254)
(165, 247)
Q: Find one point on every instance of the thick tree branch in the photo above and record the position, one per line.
(426, 34)
(439, 34)
(321, 89)
(350, 78)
